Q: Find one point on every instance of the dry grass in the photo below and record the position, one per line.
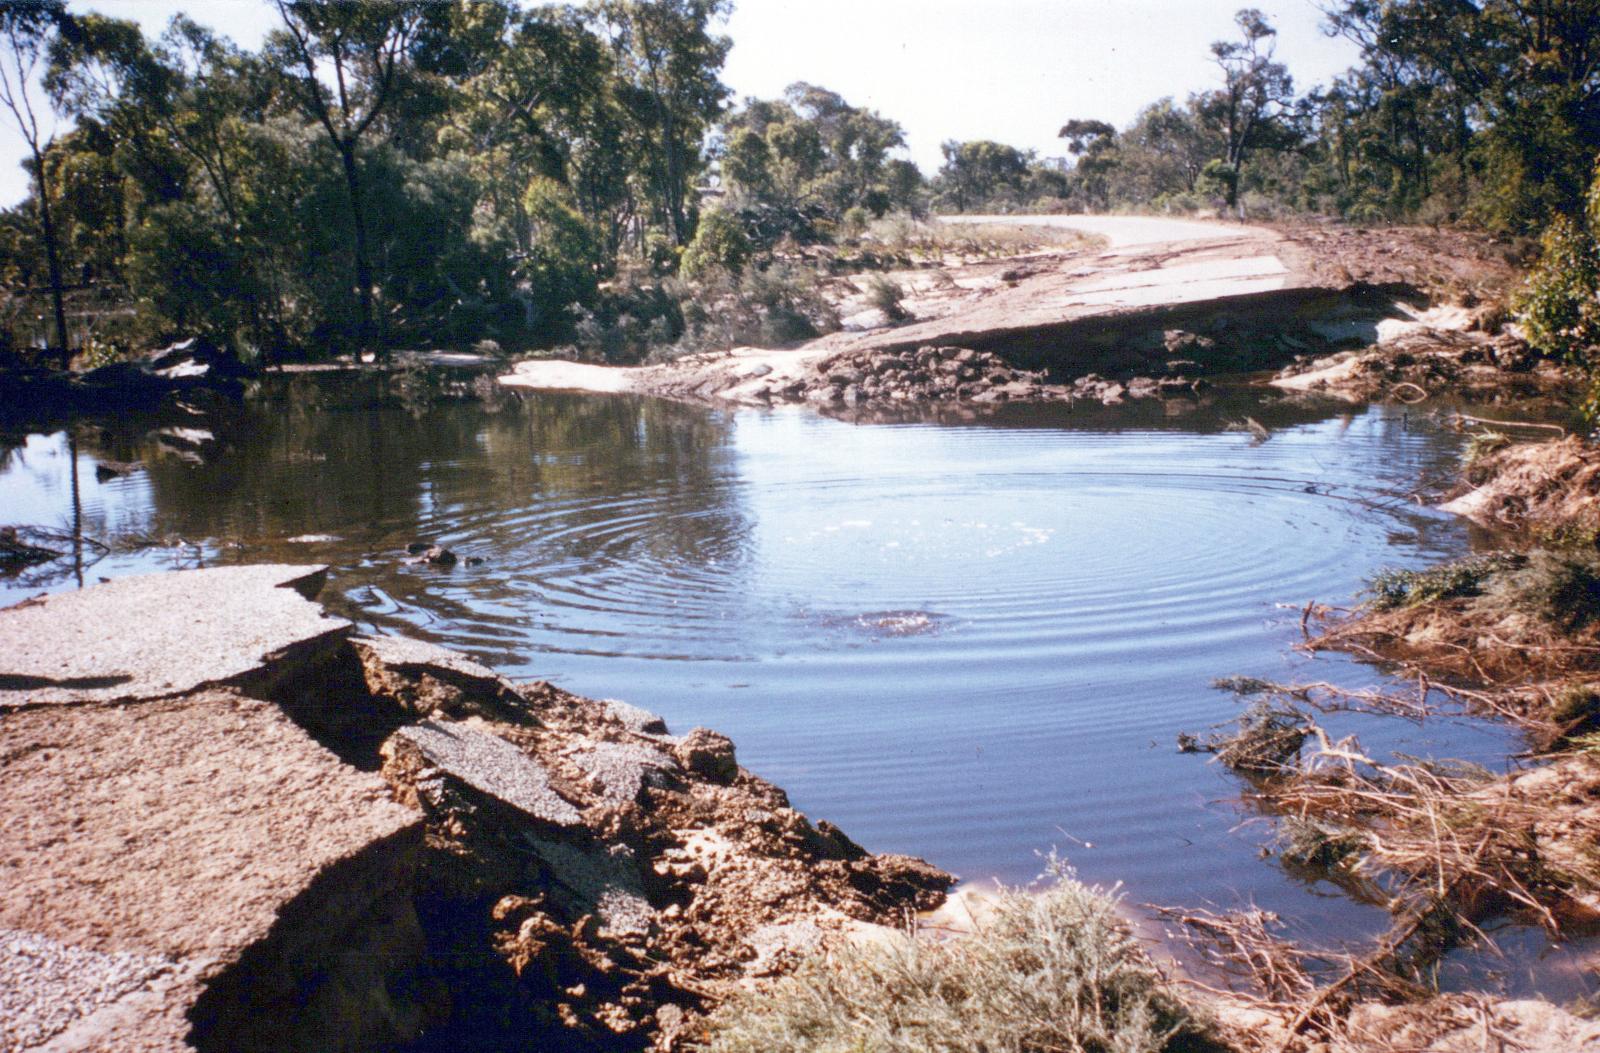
(903, 235)
(1522, 627)
(1443, 845)
(1057, 972)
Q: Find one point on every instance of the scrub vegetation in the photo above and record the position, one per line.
(1057, 971)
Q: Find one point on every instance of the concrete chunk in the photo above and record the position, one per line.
(426, 678)
(492, 766)
(599, 879)
(206, 832)
(634, 718)
(160, 635)
(624, 769)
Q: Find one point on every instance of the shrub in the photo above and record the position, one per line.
(1557, 308)
(1558, 589)
(1055, 971)
(1393, 589)
(719, 244)
(886, 295)
(779, 305)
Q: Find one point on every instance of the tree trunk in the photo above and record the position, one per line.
(366, 335)
(52, 255)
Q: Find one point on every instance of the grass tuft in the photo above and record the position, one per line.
(1057, 971)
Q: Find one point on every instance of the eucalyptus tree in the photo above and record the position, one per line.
(1256, 93)
(344, 60)
(668, 63)
(1094, 144)
(977, 173)
(27, 32)
(1515, 82)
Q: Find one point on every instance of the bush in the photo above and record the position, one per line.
(1560, 590)
(719, 244)
(779, 305)
(1394, 589)
(1557, 308)
(1054, 971)
(886, 295)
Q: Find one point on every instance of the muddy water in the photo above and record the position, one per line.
(973, 641)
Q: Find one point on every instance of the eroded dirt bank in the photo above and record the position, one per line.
(1156, 310)
(235, 824)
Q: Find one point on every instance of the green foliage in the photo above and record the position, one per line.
(1559, 307)
(1394, 589)
(719, 244)
(781, 304)
(564, 253)
(1059, 970)
(399, 171)
(982, 174)
(1559, 589)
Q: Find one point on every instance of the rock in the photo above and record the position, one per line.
(488, 764)
(708, 753)
(436, 555)
(634, 718)
(842, 845)
(624, 770)
(106, 470)
(163, 634)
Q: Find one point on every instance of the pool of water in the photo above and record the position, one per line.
(973, 640)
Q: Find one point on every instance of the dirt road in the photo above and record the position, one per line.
(1152, 274)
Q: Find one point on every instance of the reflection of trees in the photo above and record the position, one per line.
(547, 484)
(342, 465)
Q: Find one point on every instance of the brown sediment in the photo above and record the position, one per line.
(228, 833)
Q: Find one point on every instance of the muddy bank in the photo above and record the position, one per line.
(236, 824)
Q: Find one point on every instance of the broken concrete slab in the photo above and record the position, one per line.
(207, 832)
(47, 987)
(490, 765)
(634, 718)
(425, 678)
(603, 880)
(161, 635)
(622, 771)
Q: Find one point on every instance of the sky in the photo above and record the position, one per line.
(1009, 70)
